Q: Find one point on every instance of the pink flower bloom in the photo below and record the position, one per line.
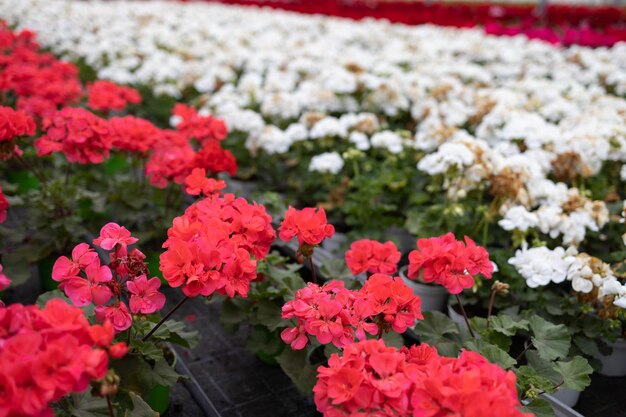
(118, 315)
(145, 298)
(113, 234)
(93, 289)
(4, 280)
(65, 268)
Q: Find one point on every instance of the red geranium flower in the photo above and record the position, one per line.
(308, 225)
(107, 96)
(448, 262)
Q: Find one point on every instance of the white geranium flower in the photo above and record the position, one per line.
(328, 162)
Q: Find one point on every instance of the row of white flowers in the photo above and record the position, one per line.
(282, 78)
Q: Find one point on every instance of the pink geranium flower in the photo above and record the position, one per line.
(113, 234)
(145, 296)
(65, 268)
(93, 289)
(117, 314)
(4, 280)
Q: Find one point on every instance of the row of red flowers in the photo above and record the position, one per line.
(559, 23)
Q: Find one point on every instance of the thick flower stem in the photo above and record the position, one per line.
(458, 299)
(110, 405)
(164, 319)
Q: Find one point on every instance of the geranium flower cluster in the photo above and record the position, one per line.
(201, 127)
(82, 136)
(213, 247)
(47, 353)
(13, 125)
(106, 96)
(40, 82)
(308, 225)
(333, 314)
(197, 183)
(133, 134)
(372, 256)
(174, 158)
(373, 379)
(449, 262)
(85, 280)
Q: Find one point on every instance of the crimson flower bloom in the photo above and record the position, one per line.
(372, 256)
(370, 378)
(145, 296)
(48, 353)
(106, 96)
(448, 262)
(308, 225)
(112, 235)
(13, 124)
(133, 134)
(82, 136)
(171, 160)
(215, 159)
(203, 128)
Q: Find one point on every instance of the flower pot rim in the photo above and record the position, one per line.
(427, 286)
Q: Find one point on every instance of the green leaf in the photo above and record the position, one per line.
(506, 325)
(492, 352)
(575, 373)
(335, 269)
(543, 368)
(140, 408)
(539, 407)
(43, 299)
(393, 339)
(16, 267)
(148, 349)
(86, 405)
(587, 346)
(175, 332)
(164, 374)
(233, 314)
(296, 365)
(264, 341)
(435, 326)
(269, 315)
(551, 340)
(529, 380)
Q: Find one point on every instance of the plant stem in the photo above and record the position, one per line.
(31, 168)
(167, 316)
(313, 273)
(492, 298)
(111, 413)
(528, 346)
(458, 299)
